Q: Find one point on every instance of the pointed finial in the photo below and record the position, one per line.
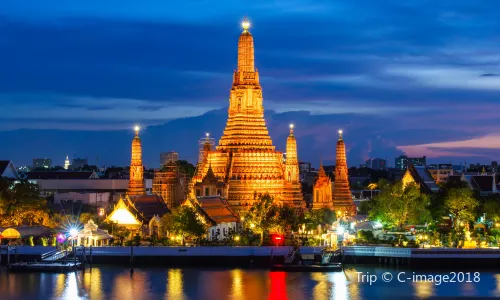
(136, 129)
(291, 128)
(340, 133)
(245, 24)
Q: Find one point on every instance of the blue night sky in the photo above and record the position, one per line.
(417, 76)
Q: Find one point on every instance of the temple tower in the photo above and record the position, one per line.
(342, 197)
(245, 159)
(292, 193)
(322, 191)
(136, 184)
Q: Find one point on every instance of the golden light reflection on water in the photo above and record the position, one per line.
(175, 285)
(92, 282)
(423, 289)
(497, 290)
(237, 291)
(321, 290)
(127, 286)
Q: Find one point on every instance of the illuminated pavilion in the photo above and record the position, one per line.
(136, 184)
(342, 197)
(245, 159)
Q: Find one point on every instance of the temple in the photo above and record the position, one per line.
(136, 184)
(342, 197)
(245, 160)
(322, 191)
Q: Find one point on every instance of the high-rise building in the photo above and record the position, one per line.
(494, 166)
(402, 162)
(304, 166)
(167, 158)
(376, 164)
(66, 163)
(42, 163)
(245, 159)
(342, 197)
(136, 184)
(77, 163)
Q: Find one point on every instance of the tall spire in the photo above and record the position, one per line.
(292, 161)
(342, 197)
(246, 61)
(136, 183)
(66, 162)
(246, 128)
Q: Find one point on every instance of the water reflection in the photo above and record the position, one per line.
(175, 285)
(277, 285)
(237, 292)
(239, 284)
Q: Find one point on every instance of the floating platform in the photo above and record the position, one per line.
(57, 267)
(337, 267)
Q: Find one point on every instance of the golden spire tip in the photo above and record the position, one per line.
(136, 129)
(245, 24)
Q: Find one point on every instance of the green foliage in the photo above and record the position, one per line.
(491, 208)
(21, 204)
(262, 216)
(137, 240)
(183, 221)
(461, 204)
(85, 217)
(313, 218)
(186, 167)
(396, 205)
(120, 233)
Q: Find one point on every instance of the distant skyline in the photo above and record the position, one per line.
(415, 76)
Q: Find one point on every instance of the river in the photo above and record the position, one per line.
(114, 282)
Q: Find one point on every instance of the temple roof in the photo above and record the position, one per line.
(422, 177)
(215, 210)
(150, 205)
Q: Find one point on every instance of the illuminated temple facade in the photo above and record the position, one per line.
(342, 197)
(136, 184)
(245, 160)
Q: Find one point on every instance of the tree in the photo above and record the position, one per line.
(313, 218)
(461, 204)
(183, 221)
(261, 217)
(21, 204)
(284, 219)
(397, 205)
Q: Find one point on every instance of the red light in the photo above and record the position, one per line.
(277, 237)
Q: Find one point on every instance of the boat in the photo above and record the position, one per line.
(329, 261)
(58, 266)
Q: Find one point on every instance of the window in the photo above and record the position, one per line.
(198, 193)
(207, 191)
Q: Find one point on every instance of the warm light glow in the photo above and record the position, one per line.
(245, 24)
(123, 217)
(252, 225)
(207, 134)
(291, 126)
(237, 238)
(341, 131)
(137, 128)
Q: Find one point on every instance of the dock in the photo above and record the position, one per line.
(58, 267)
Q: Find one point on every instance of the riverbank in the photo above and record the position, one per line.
(264, 256)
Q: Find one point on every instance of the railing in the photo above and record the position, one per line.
(54, 255)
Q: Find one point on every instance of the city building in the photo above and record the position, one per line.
(42, 163)
(8, 170)
(440, 172)
(420, 176)
(77, 163)
(402, 162)
(167, 158)
(66, 163)
(139, 214)
(494, 166)
(342, 197)
(376, 164)
(322, 191)
(245, 158)
(136, 185)
(304, 166)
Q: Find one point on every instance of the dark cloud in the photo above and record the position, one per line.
(394, 72)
